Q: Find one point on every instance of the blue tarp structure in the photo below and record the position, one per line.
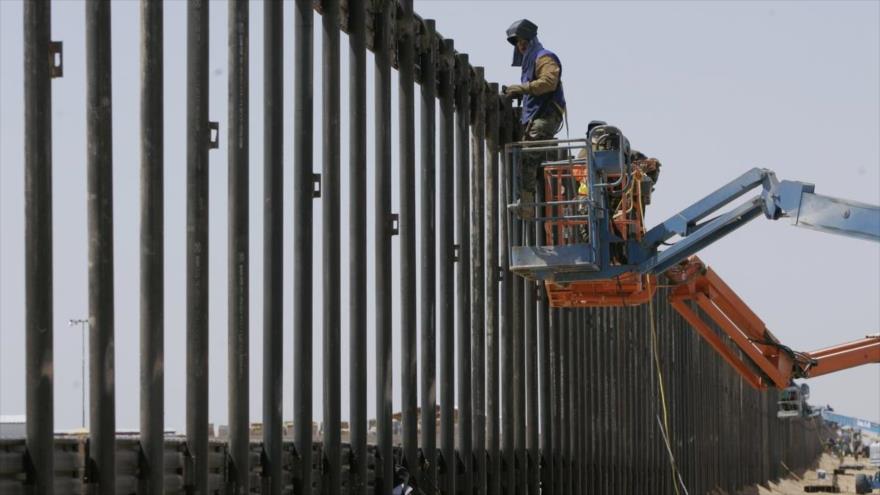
(861, 424)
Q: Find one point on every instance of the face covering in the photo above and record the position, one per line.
(517, 57)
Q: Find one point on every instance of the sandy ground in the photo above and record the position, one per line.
(792, 485)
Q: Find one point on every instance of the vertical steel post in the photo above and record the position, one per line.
(576, 420)
(357, 239)
(238, 252)
(273, 243)
(331, 278)
(38, 65)
(493, 341)
(198, 142)
(582, 405)
(591, 391)
(446, 279)
(428, 293)
(565, 395)
(152, 329)
(622, 401)
(571, 419)
(102, 410)
(303, 193)
(531, 343)
(555, 433)
(508, 383)
(409, 355)
(545, 459)
(462, 208)
(520, 461)
(382, 238)
(478, 289)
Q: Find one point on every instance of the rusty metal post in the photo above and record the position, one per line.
(477, 280)
(427, 317)
(152, 317)
(273, 244)
(238, 252)
(462, 208)
(594, 432)
(508, 283)
(609, 401)
(39, 68)
(555, 463)
(303, 193)
(562, 401)
(530, 329)
(357, 239)
(102, 416)
(383, 20)
(446, 278)
(581, 354)
(621, 389)
(567, 402)
(409, 355)
(330, 259)
(493, 340)
(520, 466)
(198, 143)
(545, 457)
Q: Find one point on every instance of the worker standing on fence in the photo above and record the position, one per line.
(543, 102)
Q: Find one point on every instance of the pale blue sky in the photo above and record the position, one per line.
(710, 88)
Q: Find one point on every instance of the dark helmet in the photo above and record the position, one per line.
(595, 123)
(522, 28)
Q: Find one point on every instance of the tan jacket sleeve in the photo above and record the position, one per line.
(546, 77)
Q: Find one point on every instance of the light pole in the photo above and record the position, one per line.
(83, 323)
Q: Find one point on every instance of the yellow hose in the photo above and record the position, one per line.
(657, 368)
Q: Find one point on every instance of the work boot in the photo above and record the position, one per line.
(525, 206)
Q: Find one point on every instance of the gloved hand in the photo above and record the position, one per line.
(515, 90)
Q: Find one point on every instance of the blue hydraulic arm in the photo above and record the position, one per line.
(791, 199)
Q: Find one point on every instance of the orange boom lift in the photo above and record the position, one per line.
(597, 251)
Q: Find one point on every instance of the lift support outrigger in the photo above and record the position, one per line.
(596, 251)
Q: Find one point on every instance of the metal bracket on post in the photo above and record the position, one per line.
(500, 274)
(316, 186)
(395, 224)
(455, 252)
(56, 59)
(213, 135)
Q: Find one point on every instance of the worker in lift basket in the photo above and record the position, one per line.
(543, 102)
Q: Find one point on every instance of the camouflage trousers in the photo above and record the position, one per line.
(539, 129)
